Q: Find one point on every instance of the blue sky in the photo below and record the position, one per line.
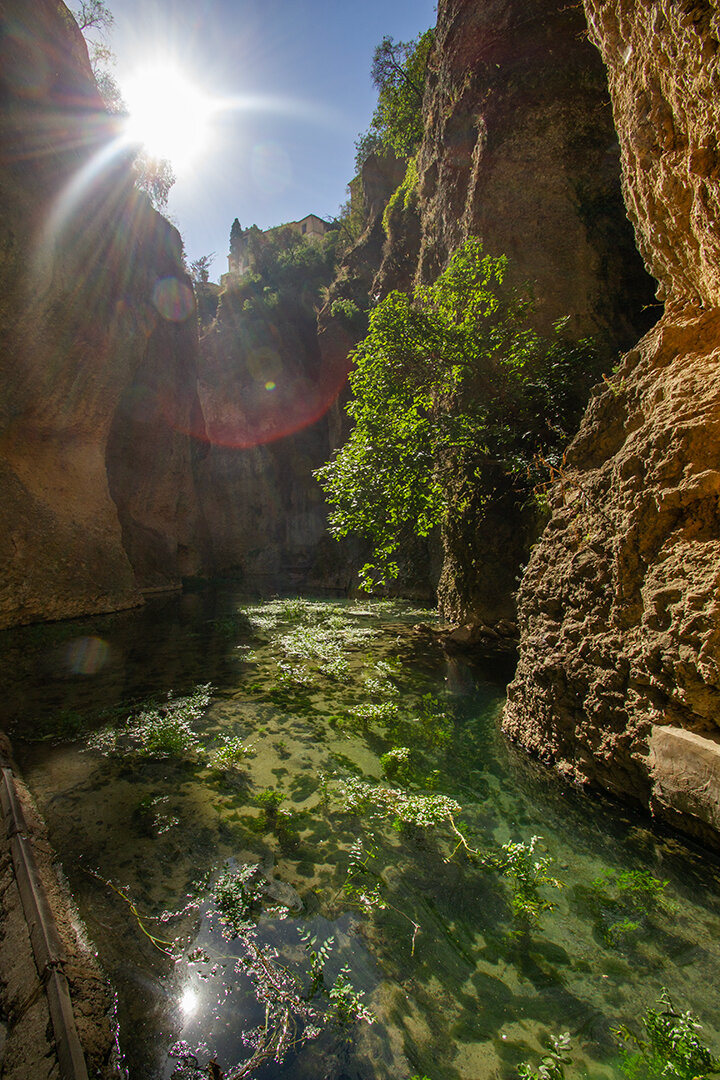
(312, 57)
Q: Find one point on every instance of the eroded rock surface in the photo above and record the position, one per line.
(96, 316)
(620, 630)
(520, 150)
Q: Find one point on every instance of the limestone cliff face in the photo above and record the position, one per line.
(519, 149)
(619, 675)
(96, 317)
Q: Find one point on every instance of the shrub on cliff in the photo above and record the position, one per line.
(450, 381)
(287, 271)
(399, 71)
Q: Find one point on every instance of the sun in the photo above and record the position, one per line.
(168, 114)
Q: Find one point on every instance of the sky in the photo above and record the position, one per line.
(294, 80)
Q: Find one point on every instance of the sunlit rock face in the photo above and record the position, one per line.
(520, 149)
(620, 645)
(96, 316)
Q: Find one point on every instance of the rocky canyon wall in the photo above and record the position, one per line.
(520, 150)
(99, 339)
(619, 675)
(265, 394)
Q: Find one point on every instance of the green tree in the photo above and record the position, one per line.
(236, 232)
(449, 381)
(155, 177)
(399, 71)
(93, 15)
(200, 269)
(350, 218)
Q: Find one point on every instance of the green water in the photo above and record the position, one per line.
(347, 714)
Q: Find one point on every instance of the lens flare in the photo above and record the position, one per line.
(86, 655)
(189, 1001)
(168, 114)
(173, 299)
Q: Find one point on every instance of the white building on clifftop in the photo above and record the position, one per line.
(311, 228)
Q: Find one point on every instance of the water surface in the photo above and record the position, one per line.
(320, 749)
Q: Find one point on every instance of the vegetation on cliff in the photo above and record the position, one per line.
(287, 271)
(399, 71)
(451, 379)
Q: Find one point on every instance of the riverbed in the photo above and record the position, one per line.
(303, 812)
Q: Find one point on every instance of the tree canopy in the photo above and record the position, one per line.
(399, 71)
(450, 379)
(286, 270)
(200, 269)
(235, 237)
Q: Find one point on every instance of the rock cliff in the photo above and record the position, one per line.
(265, 394)
(519, 149)
(619, 674)
(96, 315)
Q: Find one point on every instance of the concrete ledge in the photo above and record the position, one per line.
(59, 1008)
(685, 771)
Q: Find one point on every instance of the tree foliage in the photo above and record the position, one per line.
(350, 218)
(235, 238)
(93, 15)
(155, 177)
(286, 270)
(200, 269)
(399, 71)
(449, 381)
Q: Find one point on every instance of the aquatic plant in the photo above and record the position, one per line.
(231, 752)
(269, 800)
(362, 883)
(169, 948)
(408, 808)
(291, 675)
(620, 902)
(552, 1064)
(382, 681)
(671, 1048)
(396, 763)
(434, 724)
(163, 731)
(237, 892)
(384, 712)
(149, 813)
(298, 1006)
(528, 873)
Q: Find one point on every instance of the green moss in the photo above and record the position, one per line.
(404, 196)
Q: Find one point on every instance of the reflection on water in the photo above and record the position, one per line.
(324, 763)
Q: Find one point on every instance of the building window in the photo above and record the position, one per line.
(303, 228)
